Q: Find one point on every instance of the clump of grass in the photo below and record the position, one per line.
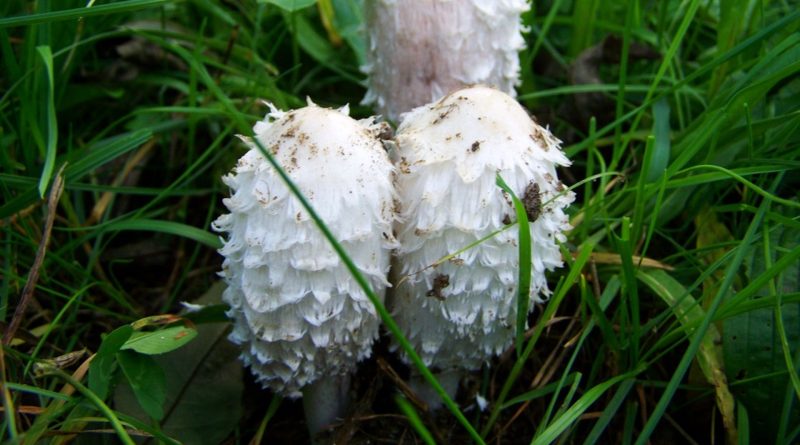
(676, 314)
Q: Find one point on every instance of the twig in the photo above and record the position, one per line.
(8, 402)
(33, 275)
(11, 220)
(401, 384)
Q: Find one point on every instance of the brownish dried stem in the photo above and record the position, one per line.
(8, 402)
(401, 385)
(33, 275)
(133, 162)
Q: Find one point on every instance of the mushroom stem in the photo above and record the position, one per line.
(448, 379)
(420, 50)
(324, 401)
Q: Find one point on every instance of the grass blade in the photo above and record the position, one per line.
(169, 227)
(524, 278)
(52, 125)
(414, 420)
(71, 14)
(569, 417)
(699, 334)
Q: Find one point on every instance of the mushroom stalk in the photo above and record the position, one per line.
(325, 401)
(449, 380)
(420, 50)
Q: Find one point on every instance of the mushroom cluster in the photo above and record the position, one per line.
(463, 311)
(301, 319)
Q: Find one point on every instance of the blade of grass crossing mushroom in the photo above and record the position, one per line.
(524, 277)
(387, 319)
(699, 333)
(373, 297)
(456, 253)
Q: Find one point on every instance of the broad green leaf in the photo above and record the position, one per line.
(752, 345)
(205, 377)
(160, 341)
(101, 371)
(711, 233)
(755, 361)
(709, 356)
(349, 20)
(290, 5)
(146, 379)
(313, 43)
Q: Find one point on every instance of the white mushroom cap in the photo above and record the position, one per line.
(297, 311)
(462, 312)
(419, 50)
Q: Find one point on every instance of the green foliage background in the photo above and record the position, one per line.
(676, 315)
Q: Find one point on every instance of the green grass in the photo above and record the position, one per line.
(689, 159)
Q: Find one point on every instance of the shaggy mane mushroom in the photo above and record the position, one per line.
(301, 319)
(461, 313)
